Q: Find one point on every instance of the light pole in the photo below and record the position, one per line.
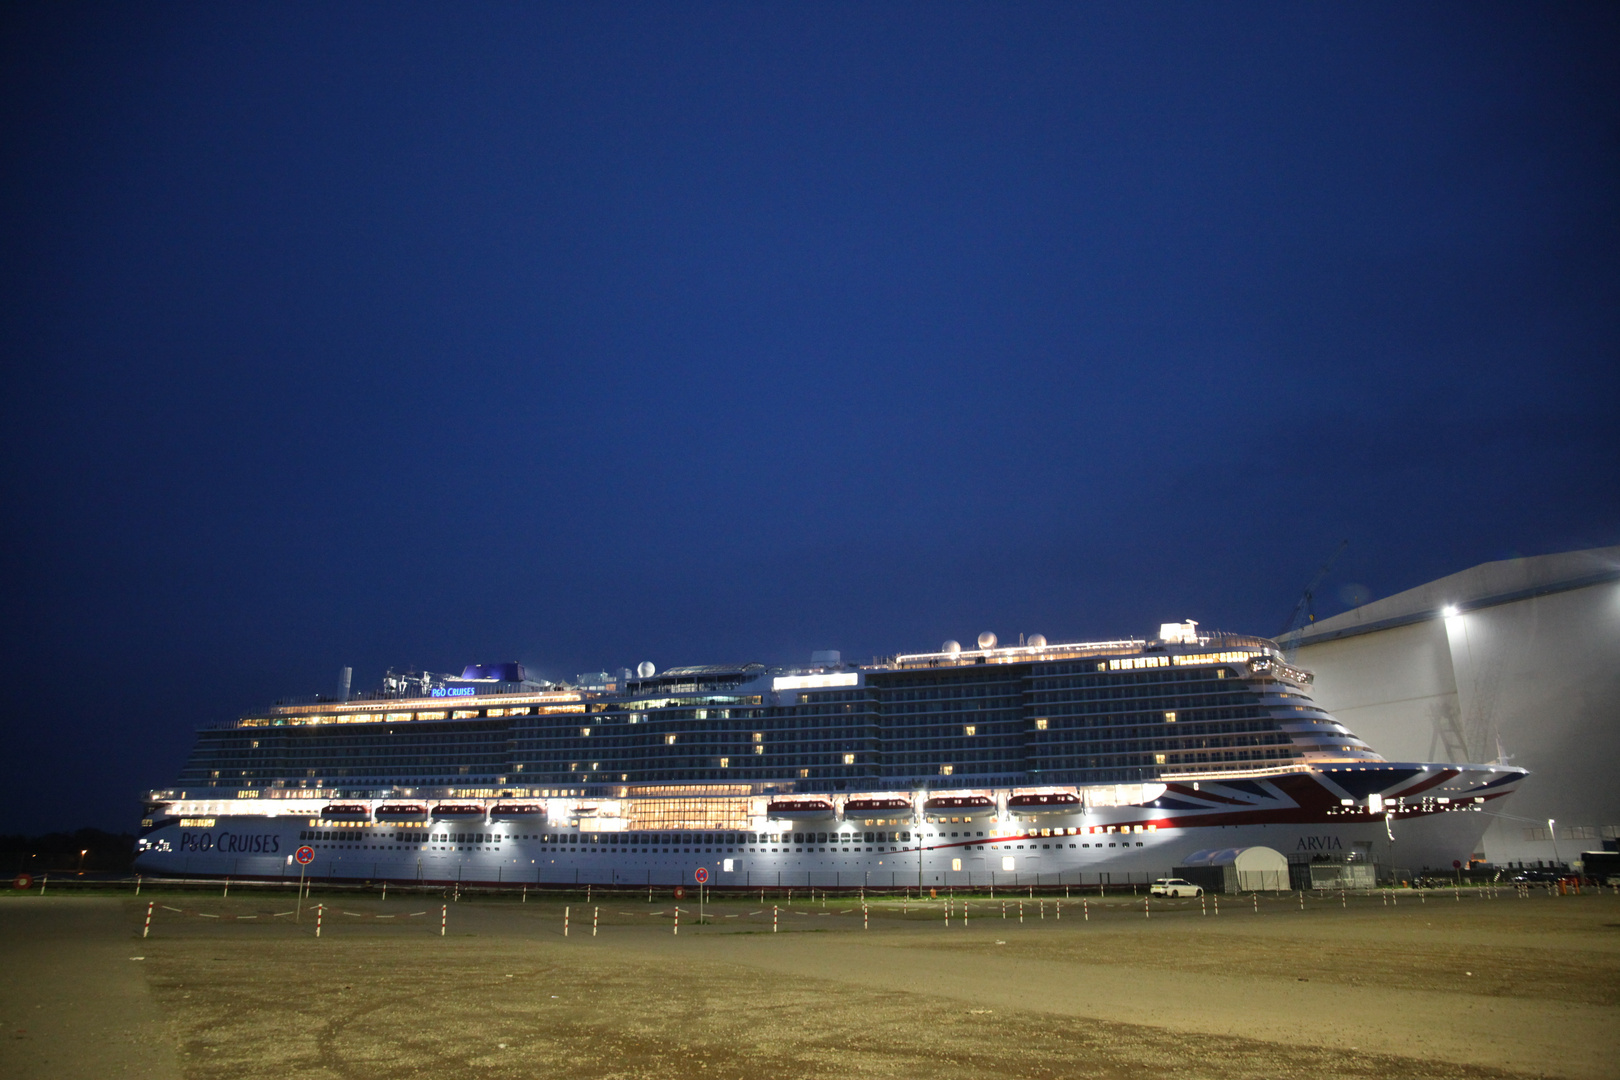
(82, 853)
(1552, 832)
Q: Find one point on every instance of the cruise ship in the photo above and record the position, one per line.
(1028, 764)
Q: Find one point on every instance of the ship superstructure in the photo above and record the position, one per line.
(1039, 762)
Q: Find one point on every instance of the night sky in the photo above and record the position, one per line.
(588, 334)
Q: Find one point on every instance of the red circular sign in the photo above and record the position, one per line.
(680, 892)
(22, 881)
(702, 875)
(1455, 865)
(304, 855)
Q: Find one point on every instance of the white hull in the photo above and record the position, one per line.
(1301, 814)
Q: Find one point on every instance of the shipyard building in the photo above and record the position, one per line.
(1515, 661)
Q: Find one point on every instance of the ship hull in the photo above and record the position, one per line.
(1402, 818)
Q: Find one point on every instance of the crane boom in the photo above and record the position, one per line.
(1305, 609)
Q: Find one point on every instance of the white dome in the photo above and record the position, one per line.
(1036, 641)
(645, 669)
(987, 640)
(950, 648)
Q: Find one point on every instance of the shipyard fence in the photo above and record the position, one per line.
(594, 913)
(313, 890)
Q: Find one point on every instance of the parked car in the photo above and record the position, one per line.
(1174, 886)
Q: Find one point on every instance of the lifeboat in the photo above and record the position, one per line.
(517, 810)
(347, 811)
(970, 803)
(458, 810)
(1049, 802)
(401, 811)
(857, 807)
(799, 809)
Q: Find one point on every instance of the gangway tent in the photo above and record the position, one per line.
(1233, 870)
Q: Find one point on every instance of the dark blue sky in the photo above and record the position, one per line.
(589, 334)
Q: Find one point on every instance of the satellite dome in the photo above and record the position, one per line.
(645, 669)
(950, 648)
(1036, 641)
(987, 640)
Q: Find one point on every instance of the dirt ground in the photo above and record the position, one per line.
(1479, 987)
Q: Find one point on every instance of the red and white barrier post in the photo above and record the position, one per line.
(320, 910)
(147, 929)
(444, 918)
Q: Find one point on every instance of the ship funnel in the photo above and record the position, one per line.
(345, 679)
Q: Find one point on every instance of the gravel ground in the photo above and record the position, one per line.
(1481, 987)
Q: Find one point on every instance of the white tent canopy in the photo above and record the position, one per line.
(1247, 869)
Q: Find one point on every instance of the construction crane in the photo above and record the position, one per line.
(1304, 612)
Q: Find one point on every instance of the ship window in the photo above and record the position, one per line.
(798, 838)
(821, 838)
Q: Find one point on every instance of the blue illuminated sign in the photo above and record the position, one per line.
(453, 691)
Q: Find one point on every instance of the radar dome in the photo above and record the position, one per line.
(1036, 641)
(645, 669)
(987, 640)
(950, 648)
